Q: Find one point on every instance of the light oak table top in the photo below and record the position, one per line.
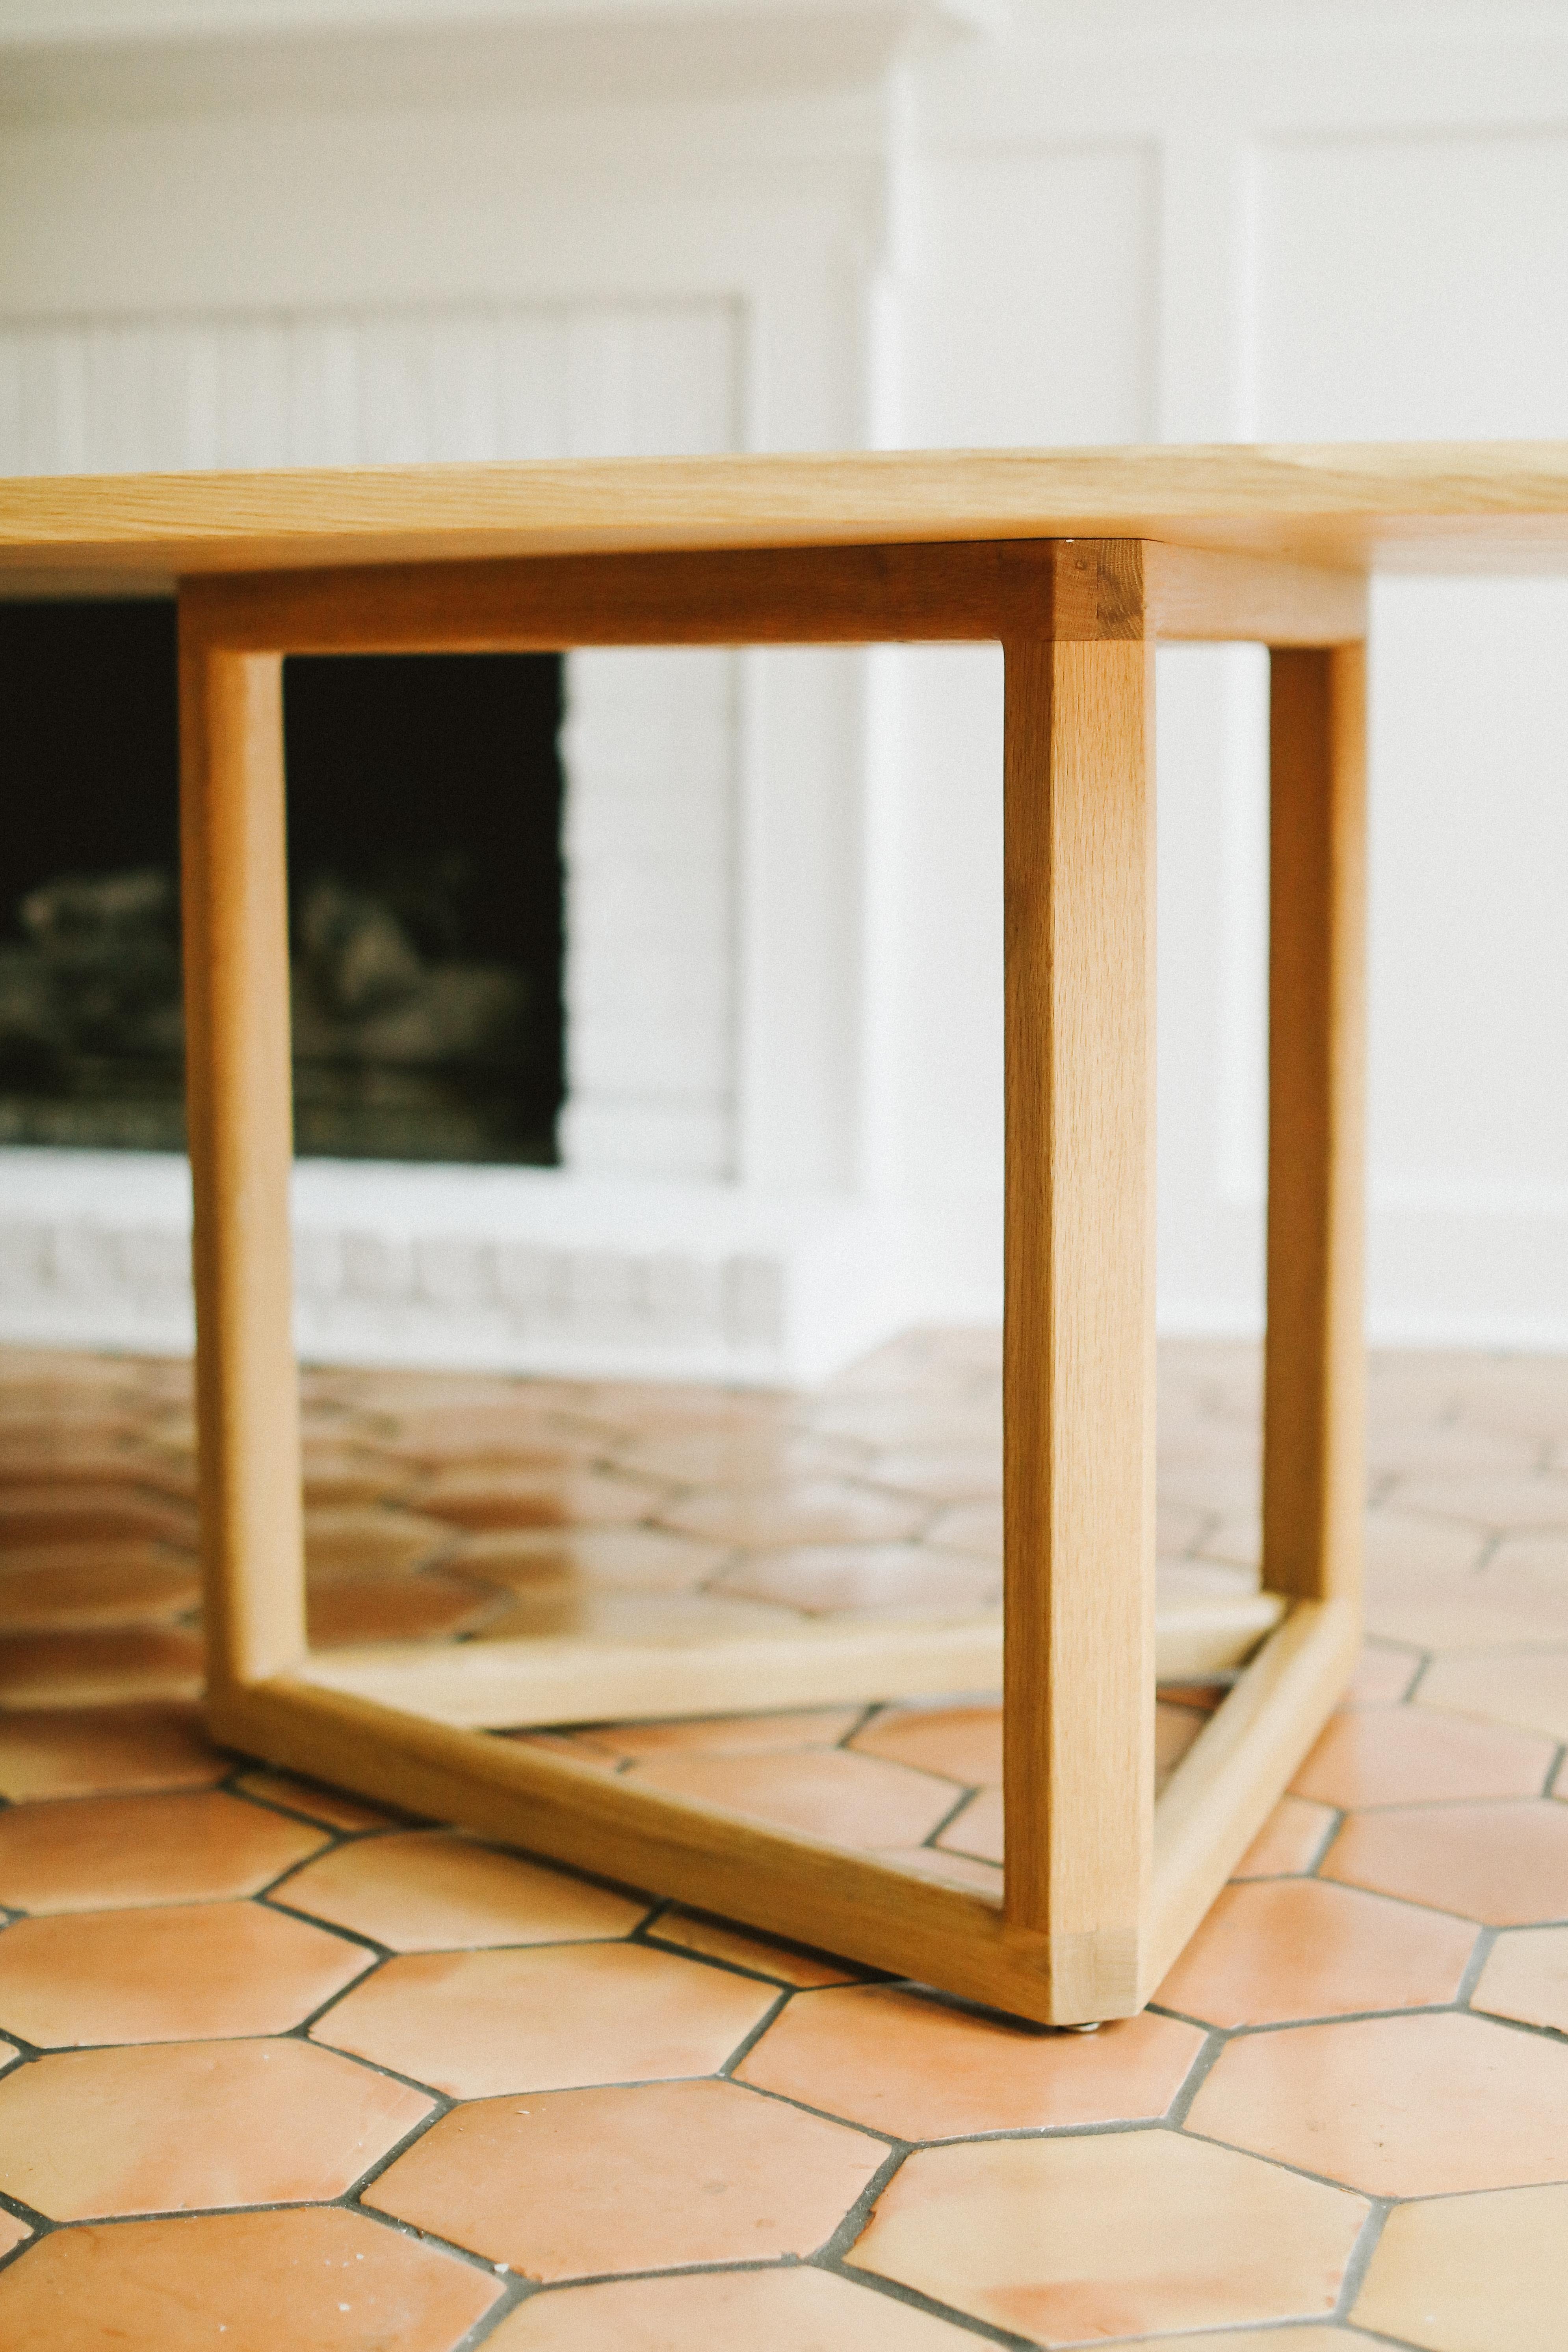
(1445, 507)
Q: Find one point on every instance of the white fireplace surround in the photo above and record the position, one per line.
(643, 1251)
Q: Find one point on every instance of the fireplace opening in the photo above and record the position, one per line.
(425, 890)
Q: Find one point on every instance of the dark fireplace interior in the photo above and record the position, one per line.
(425, 890)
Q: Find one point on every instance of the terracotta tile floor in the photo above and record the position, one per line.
(282, 2069)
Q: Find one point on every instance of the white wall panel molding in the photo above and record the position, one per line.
(1176, 67)
(1359, 233)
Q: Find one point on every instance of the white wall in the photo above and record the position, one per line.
(1180, 219)
(1214, 222)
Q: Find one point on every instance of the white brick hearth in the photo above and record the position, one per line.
(522, 1269)
(643, 1253)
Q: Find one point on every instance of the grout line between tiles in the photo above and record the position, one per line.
(749, 2042)
(1198, 2074)
(1360, 2255)
(897, 2291)
(1481, 1953)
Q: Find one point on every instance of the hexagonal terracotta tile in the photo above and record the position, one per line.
(1395, 1756)
(980, 1830)
(99, 1665)
(866, 1580)
(1034, 2235)
(478, 2023)
(56, 1513)
(1287, 1947)
(41, 1379)
(494, 1427)
(1401, 2106)
(314, 1801)
(578, 2183)
(916, 2068)
(1290, 2339)
(83, 1751)
(432, 1890)
(728, 1735)
(796, 1511)
(627, 1410)
(1529, 1690)
(190, 1972)
(36, 1446)
(969, 1527)
(1474, 1612)
(98, 1852)
(1526, 1976)
(1177, 1527)
(1402, 1546)
(1516, 1601)
(320, 2277)
(1175, 1728)
(849, 1800)
(659, 1619)
(1451, 1448)
(337, 1476)
(367, 1539)
(1235, 1540)
(503, 1495)
(59, 1586)
(428, 1606)
(1527, 1498)
(767, 2311)
(1382, 1676)
(940, 1473)
(1543, 1558)
(1504, 1865)
(1466, 2274)
(909, 1417)
(195, 2124)
(960, 1743)
(611, 1559)
(1289, 1841)
(742, 1454)
(787, 1963)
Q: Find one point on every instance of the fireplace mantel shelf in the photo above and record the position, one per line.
(137, 57)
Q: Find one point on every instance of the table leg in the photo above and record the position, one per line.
(1313, 1450)
(239, 1096)
(1079, 1380)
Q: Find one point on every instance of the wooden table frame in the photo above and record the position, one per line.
(1103, 1885)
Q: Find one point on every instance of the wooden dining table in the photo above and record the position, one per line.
(1077, 562)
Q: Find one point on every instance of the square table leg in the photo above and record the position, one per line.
(1078, 1674)
(1313, 1449)
(1313, 1471)
(239, 1098)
